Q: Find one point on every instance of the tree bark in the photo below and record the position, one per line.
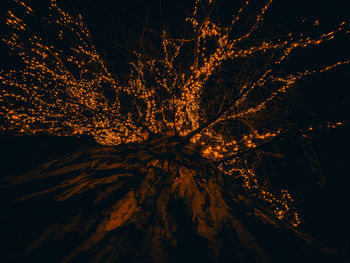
(158, 201)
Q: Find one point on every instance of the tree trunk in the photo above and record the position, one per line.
(158, 201)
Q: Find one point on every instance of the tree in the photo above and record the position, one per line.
(210, 96)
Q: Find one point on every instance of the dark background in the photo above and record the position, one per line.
(117, 25)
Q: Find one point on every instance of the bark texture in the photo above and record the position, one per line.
(154, 202)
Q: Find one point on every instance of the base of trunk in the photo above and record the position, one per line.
(151, 202)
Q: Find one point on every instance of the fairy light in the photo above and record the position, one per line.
(48, 96)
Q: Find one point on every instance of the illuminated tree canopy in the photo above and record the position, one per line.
(218, 87)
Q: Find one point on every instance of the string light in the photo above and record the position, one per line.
(62, 88)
